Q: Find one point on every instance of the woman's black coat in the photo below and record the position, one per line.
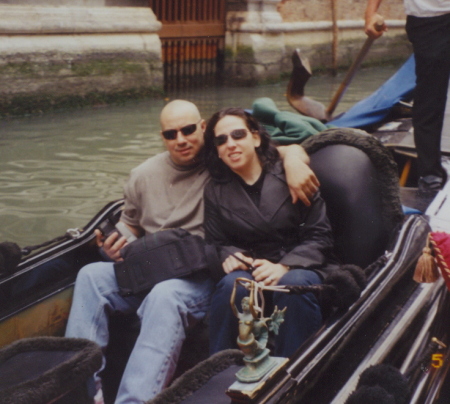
(279, 231)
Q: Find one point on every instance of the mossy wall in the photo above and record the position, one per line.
(249, 65)
(261, 37)
(58, 57)
(92, 53)
(39, 82)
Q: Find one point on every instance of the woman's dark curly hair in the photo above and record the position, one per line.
(266, 151)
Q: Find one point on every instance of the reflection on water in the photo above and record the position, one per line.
(57, 170)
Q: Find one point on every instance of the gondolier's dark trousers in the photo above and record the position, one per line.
(430, 37)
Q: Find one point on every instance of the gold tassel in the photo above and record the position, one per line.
(426, 268)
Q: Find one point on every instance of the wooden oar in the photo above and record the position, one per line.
(351, 72)
(302, 72)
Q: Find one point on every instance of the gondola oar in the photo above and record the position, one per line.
(351, 72)
(302, 72)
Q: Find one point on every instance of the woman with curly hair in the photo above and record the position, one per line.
(259, 232)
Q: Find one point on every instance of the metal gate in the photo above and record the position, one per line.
(193, 37)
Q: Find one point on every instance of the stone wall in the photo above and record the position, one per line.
(74, 52)
(320, 10)
(77, 3)
(68, 3)
(59, 56)
(262, 34)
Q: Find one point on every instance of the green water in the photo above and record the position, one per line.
(57, 170)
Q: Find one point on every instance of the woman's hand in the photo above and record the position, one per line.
(111, 245)
(232, 264)
(268, 272)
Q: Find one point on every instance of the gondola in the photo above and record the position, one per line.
(395, 321)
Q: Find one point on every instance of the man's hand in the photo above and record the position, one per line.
(111, 245)
(302, 182)
(374, 28)
(232, 264)
(374, 22)
(268, 272)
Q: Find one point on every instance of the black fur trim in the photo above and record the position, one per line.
(198, 376)
(10, 255)
(389, 378)
(358, 274)
(381, 384)
(57, 381)
(371, 395)
(345, 290)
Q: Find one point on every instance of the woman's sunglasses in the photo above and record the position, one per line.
(235, 134)
(171, 134)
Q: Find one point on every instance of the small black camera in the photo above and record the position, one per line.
(111, 225)
(108, 227)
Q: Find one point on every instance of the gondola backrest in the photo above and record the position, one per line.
(359, 184)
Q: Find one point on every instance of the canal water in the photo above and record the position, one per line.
(58, 169)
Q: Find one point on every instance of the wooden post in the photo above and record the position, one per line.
(334, 46)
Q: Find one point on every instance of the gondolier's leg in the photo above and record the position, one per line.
(430, 37)
(166, 312)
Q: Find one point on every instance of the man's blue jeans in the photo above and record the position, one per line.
(303, 315)
(166, 312)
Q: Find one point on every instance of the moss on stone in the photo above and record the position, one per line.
(18, 68)
(106, 67)
(243, 54)
(40, 103)
(228, 53)
(80, 68)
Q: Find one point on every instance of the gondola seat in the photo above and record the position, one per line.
(359, 183)
(45, 370)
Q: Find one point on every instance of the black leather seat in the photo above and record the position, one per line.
(359, 183)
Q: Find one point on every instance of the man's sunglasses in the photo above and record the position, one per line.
(235, 134)
(171, 134)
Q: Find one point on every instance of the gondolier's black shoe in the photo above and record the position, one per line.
(430, 185)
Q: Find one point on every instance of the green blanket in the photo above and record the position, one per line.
(283, 126)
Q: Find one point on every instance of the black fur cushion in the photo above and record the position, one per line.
(198, 376)
(40, 370)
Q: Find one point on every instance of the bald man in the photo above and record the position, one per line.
(166, 191)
